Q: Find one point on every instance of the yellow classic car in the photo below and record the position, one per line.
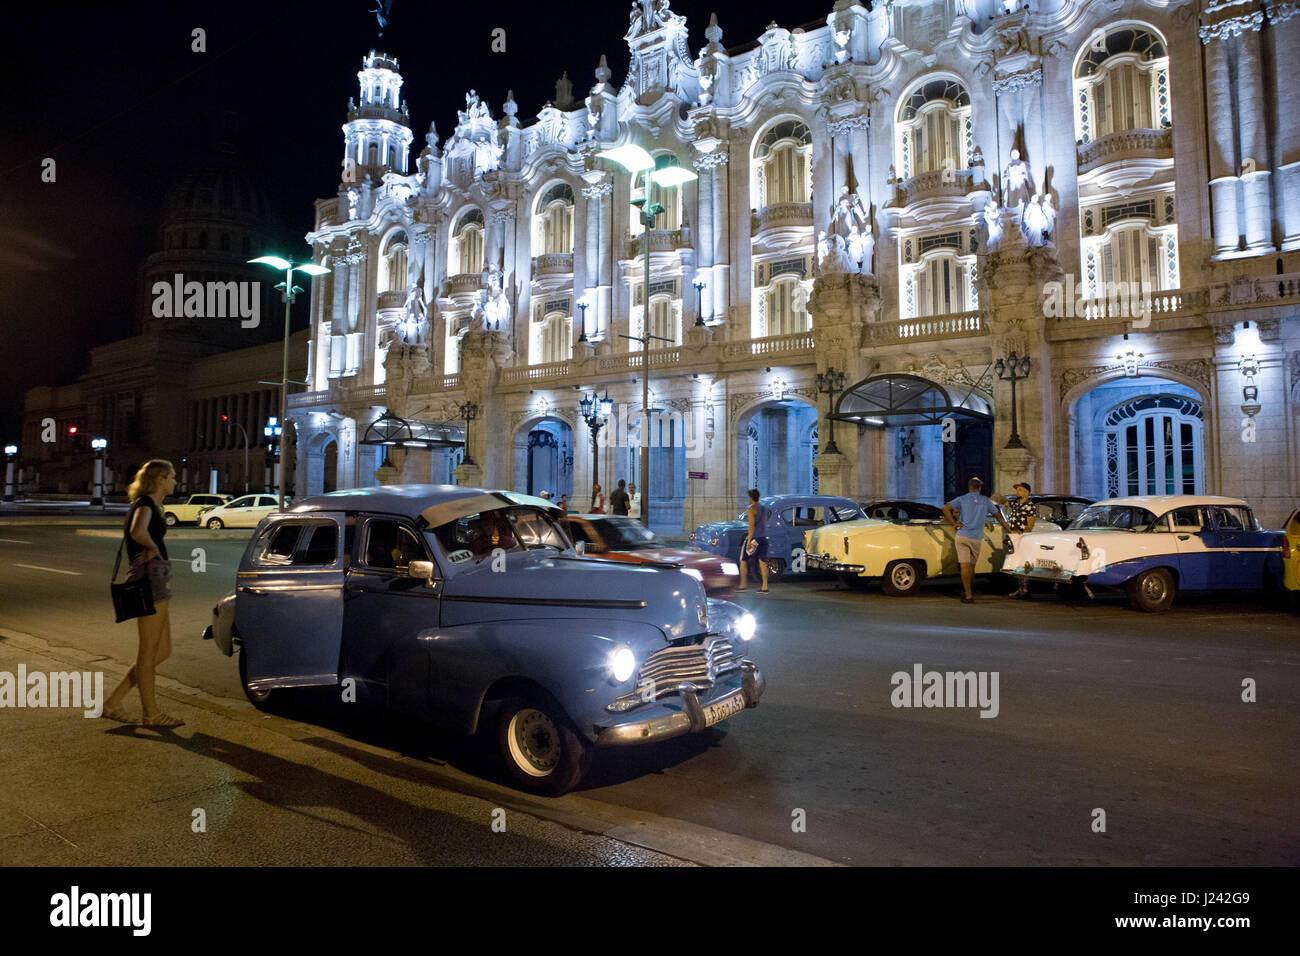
(1291, 558)
(187, 512)
(902, 552)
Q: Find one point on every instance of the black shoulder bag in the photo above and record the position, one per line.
(130, 598)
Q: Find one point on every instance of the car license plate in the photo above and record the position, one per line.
(722, 709)
(1050, 565)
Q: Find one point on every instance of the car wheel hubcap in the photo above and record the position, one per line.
(903, 576)
(534, 742)
(1154, 588)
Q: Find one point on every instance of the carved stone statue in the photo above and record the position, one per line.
(1017, 185)
(992, 225)
(833, 255)
(1034, 222)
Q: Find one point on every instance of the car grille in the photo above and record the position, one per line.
(697, 664)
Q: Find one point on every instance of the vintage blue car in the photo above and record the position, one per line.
(791, 516)
(457, 605)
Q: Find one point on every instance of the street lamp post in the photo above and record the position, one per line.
(634, 159)
(1012, 370)
(11, 452)
(468, 411)
(595, 411)
(289, 290)
(99, 444)
(830, 383)
(699, 302)
(583, 304)
(273, 433)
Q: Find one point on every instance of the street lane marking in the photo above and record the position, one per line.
(37, 567)
(13, 541)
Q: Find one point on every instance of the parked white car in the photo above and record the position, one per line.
(244, 512)
(1154, 546)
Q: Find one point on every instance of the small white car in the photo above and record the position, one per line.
(244, 512)
(1154, 546)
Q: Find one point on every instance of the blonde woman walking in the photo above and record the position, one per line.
(144, 530)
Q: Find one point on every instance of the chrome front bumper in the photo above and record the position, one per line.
(685, 714)
(824, 562)
(1057, 575)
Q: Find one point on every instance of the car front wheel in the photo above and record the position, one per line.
(540, 748)
(261, 699)
(901, 579)
(170, 519)
(215, 524)
(1152, 590)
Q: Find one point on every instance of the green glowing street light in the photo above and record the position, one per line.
(633, 159)
(288, 289)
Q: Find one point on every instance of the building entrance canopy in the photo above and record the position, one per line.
(908, 400)
(389, 429)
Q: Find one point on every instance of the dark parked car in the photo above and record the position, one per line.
(792, 515)
(620, 538)
(458, 606)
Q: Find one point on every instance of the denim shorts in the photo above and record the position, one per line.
(159, 573)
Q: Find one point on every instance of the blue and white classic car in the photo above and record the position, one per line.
(792, 515)
(1155, 546)
(457, 605)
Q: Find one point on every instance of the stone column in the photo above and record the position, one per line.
(1253, 113)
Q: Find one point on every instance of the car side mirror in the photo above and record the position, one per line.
(580, 547)
(422, 570)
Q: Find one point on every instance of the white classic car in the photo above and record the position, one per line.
(901, 551)
(244, 512)
(1154, 546)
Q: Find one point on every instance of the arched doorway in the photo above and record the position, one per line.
(777, 449)
(544, 458)
(330, 459)
(1139, 436)
(936, 438)
(668, 481)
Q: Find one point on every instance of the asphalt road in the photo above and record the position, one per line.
(1100, 708)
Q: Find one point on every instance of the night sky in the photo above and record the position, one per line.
(114, 94)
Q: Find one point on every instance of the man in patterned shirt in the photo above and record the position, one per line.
(1020, 513)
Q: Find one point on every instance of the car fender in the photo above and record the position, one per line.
(566, 657)
(222, 629)
(1119, 573)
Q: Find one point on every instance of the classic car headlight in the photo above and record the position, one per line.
(621, 663)
(730, 569)
(693, 572)
(746, 626)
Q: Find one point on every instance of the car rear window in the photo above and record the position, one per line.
(297, 544)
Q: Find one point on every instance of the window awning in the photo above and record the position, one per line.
(389, 429)
(908, 400)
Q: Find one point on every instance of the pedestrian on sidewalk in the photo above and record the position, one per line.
(753, 550)
(1021, 514)
(144, 530)
(618, 500)
(633, 502)
(597, 500)
(968, 513)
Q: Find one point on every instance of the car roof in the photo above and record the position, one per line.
(1162, 503)
(1081, 500)
(438, 503)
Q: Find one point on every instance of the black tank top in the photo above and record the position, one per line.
(157, 528)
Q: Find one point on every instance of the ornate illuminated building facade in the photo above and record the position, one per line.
(892, 201)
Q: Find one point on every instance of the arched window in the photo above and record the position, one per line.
(665, 314)
(934, 129)
(782, 166)
(669, 197)
(1154, 447)
(553, 221)
(394, 269)
(467, 243)
(785, 308)
(1130, 247)
(555, 337)
(942, 282)
(1121, 82)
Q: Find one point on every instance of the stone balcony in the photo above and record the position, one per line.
(465, 282)
(393, 299)
(534, 373)
(661, 240)
(934, 184)
(379, 112)
(553, 264)
(781, 214)
(1126, 145)
(929, 328)
(771, 345)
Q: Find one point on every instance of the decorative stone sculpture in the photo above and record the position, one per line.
(1017, 185)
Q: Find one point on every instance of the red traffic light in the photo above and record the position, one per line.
(72, 429)
(225, 418)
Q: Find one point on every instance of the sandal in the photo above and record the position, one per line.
(161, 720)
(121, 716)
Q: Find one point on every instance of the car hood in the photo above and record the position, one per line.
(686, 558)
(541, 584)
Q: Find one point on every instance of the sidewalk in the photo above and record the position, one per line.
(268, 791)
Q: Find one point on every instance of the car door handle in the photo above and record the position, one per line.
(1184, 537)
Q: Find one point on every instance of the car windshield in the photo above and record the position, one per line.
(1102, 517)
(517, 528)
(625, 534)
